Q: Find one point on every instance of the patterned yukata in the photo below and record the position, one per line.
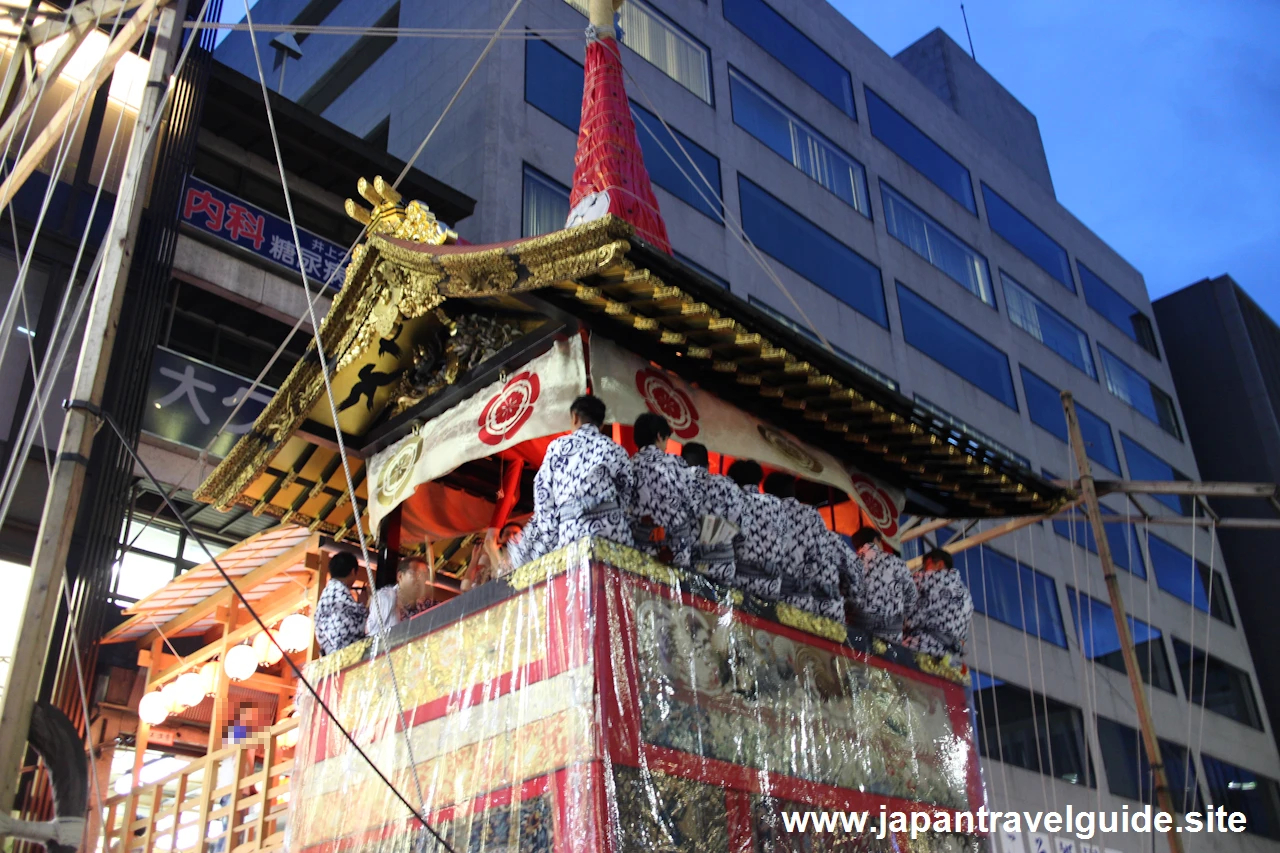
(580, 490)
(852, 575)
(889, 592)
(768, 547)
(718, 496)
(339, 618)
(661, 499)
(939, 623)
(812, 583)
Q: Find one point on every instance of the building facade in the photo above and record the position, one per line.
(1224, 352)
(903, 210)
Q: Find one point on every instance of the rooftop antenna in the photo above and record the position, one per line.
(967, 33)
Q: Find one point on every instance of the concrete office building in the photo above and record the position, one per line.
(1224, 352)
(905, 203)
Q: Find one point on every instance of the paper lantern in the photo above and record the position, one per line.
(190, 689)
(295, 632)
(267, 651)
(172, 696)
(288, 740)
(241, 662)
(209, 677)
(153, 709)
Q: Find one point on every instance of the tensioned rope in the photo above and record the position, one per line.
(555, 33)
(1026, 653)
(1204, 675)
(1191, 634)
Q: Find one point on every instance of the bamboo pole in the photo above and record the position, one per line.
(1090, 495)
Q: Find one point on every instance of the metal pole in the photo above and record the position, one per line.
(63, 500)
(1088, 491)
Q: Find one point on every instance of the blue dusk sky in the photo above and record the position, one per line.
(1160, 118)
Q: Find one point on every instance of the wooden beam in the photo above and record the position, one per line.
(955, 546)
(1184, 521)
(1182, 487)
(268, 570)
(1154, 758)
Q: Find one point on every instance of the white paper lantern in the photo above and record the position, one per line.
(172, 696)
(190, 689)
(267, 651)
(241, 662)
(209, 677)
(153, 709)
(295, 632)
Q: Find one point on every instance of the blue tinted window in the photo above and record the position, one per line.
(922, 153)
(1045, 407)
(661, 156)
(546, 204)
(1129, 774)
(961, 429)
(699, 268)
(1012, 593)
(811, 335)
(1030, 314)
(924, 236)
(1140, 392)
(1178, 575)
(955, 347)
(1095, 625)
(1123, 538)
(758, 113)
(1145, 465)
(1217, 685)
(553, 84)
(1240, 790)
(1025, 236)
(1031, 731)
(1120, 312)
(811, 252)
(779, 37)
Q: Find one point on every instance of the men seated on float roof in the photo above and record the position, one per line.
(662, 511)
(768, 545)
(812, 581)
(888, 591)
(939, 623)
(718, 506)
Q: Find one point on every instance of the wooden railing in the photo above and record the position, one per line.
(232, 801)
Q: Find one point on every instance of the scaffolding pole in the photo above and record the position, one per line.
(1089, 493)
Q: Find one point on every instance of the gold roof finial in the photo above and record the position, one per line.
(392, 217)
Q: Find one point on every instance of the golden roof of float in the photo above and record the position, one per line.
(409, 285)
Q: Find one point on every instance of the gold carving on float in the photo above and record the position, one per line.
(811, 623)
(944, 667)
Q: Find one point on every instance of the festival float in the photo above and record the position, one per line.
(596, 699)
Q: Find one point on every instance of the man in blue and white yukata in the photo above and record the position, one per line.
(768, 547)
(663, 514)
(939, 623)
(888, 593)
(713, 496)
(581, 489)
(812, 583)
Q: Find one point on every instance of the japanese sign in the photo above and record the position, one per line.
(266, 235)
(188, 401)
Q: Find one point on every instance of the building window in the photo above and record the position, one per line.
(1044, 404)
(1037, 319)
(553, 84)
(1095, 625)
(655, 38)
(1025, 236)
(854, 361)
(811, 252)
(1240, 790)
(955, 347)
(759, 114)
(1190, 581)
(669, 168)
(151, 556)
(961, 428)
(701, 270)
(1118, 311)
(546, 204)
(1124, 756)
(1216, 685)
(351, 66)
(924, 236)
(781, 40)
(1012, 593)
(1031, 731)
(919, 151)
(1123, 538)
(1140, 392)
(1145, 465)
(217, 331)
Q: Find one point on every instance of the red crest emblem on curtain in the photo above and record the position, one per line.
(880, 508)
(509, 409)
(664, 398)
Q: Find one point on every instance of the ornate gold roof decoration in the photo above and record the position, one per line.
(390, 216)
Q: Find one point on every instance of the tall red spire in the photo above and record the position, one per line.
(609, 165)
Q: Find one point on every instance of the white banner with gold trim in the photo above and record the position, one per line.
(631, 386)
(532, 403)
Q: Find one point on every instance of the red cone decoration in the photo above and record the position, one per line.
(609, 157)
